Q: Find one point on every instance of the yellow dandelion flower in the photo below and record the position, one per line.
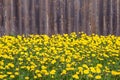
(9, 73)
(28, 67)
(7, 67)
(86, 71)
(75, 76)
(113, 62)
(63, 72)
(52, 72)
(32, 67)
(44, 72)
(115, 73)
(70, 69)
(37, 71)
(98, 77)
(35, 77)
(16, 73)
(68, 65)
(39, 75)
(2, 76)
(90, 75)
(77, 72)
(17, 69)
(68, 60)
(93, 55)
(98, 70)
(12, 76)
(53, 76)
(43, 67)
(80, 69)
(92, 69)
(53, 61)
(11, 65)
(26, 77)
(85, 66)
(28, 59)
(99, 65)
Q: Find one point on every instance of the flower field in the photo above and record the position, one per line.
(60, 57)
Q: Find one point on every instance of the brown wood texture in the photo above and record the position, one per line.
(59, 16)
(1, 18)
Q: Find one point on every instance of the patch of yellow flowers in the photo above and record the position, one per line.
(60, 57)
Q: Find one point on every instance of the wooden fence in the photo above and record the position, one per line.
(59, 16)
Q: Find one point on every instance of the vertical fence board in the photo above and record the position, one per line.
(118, 17)
(33, 21)
(107, 17)
(1, 19)
(101, 17)
(83, 15)
(7, 13)
(69, 16)
(20, 17)
(26, 16)
(96, 16)
(104, 17)
(66, 17)
(88, 12)
(41, 17)
(92, 17)
(12, 17)
(47, 16)
(114, 16)
(51, 21)
(61, 16)
(76, 15)
(37, 20)
(55, 16)
(111, 16)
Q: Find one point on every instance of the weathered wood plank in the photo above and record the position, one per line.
(111, 16)
(101, 16)
(47, 16)
(33, 21)
(118, 18)
(55, 16)
(1, 19)
(13, 17)
(26, 16)
(76, 15)
(20, 17)
(62, 5)
(7, 13)
(41, 16)
(114, 16)
(104, 17)
(69, 16)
